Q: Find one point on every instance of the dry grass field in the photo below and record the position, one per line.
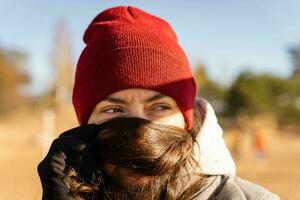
(280, 171)
(21, 151)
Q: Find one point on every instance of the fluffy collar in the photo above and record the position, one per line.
(212, 153)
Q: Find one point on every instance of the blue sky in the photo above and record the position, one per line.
(227, 36)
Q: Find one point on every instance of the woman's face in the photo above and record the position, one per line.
(141, 103)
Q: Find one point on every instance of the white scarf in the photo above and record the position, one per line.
(212, 153)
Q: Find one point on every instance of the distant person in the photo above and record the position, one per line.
(143, 134)
(260, 145)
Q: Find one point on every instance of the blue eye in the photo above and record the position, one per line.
(112, 110)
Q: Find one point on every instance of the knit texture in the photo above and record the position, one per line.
(129, 48)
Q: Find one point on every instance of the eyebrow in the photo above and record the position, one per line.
(155, 97)
(122, 101)
(115, 100)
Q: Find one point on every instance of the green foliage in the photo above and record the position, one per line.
(212, 91)
(253, 94)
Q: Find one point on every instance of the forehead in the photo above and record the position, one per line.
(137, 94)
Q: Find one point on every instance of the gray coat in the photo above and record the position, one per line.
(222, 187)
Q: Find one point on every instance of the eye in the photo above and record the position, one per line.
(112, 110)
(161, 107)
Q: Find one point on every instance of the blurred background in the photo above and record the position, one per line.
(245, 57)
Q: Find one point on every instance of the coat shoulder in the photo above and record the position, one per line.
(231, 187)
(238, 188)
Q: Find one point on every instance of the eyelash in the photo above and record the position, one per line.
(162, 106)
(113, 108)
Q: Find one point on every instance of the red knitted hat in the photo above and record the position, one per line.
(129, 48)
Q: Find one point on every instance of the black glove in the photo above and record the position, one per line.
(67, 150)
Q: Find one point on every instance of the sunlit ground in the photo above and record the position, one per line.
(279, 172)
(21, 151)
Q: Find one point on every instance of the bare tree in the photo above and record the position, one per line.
(62, 61)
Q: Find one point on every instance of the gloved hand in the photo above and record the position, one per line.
(66, 151)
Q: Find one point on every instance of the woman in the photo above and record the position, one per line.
(143, 133)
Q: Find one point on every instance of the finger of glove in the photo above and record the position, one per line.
(58, 165)
(51, 174)
(65, 145)
(45, 178)
(51, 168)
(60, 189)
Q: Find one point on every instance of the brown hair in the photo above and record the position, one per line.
(162, 152)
